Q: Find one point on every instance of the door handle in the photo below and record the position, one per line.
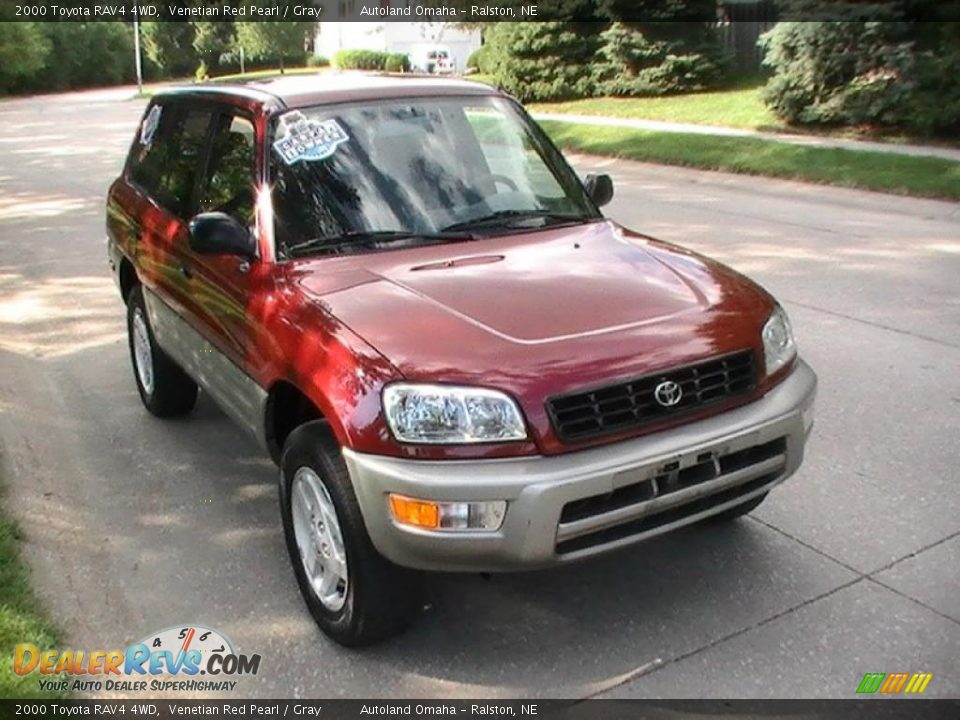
(186, 271)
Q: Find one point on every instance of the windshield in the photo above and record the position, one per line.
(414, 167)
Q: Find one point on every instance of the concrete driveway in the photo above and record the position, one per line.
(134, 524)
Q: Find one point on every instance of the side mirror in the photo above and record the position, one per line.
(599, 187)
(217, 233)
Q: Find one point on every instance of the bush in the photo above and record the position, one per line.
(658, 59)
(542, 60)
(891, 74)
(24, 50)
(317, 61)
(838, 72)
(478, 59)
(87, 54)
(397, 62)
(360, 60)
(936, 97)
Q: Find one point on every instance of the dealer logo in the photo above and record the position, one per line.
(181, 653)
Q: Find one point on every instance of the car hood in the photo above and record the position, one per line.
(540, 313)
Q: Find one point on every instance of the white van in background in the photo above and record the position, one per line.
(433, 59)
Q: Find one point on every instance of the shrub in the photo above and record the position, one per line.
(894, 74)
(658, 59)
(838, 72)
(397, 62)
(542, 60)
(317, 61)
(478, 59)
(24, 50)
(87, 54)
(360, 60)
(936, 98)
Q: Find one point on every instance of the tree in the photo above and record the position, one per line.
(674, 49)
(212, 40)
(88, 54)
(24, 50)
(890, 69)
(542, 60)
(273, 41)
(658, 58)
(169, 45)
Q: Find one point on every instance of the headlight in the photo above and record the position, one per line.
(435, 414)
(779, 347)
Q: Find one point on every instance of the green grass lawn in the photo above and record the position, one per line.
(899, 174)
(21, 619)
(269, 73)
(739, 107)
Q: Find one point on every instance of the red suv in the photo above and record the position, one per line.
(402, 290)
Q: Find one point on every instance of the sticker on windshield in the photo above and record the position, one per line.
(150, 124)
(308, 139)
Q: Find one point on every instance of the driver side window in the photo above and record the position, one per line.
(230, 182)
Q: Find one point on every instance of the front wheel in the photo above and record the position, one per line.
(356, 596)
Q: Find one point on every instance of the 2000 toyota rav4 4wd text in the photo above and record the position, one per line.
(403, 291)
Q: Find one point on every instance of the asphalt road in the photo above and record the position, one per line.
(134, 524)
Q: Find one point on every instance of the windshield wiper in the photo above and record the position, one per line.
(508, 218)
(373, 239)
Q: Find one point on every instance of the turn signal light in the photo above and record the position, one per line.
(418, 513)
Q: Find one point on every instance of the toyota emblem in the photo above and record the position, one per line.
(668, 393)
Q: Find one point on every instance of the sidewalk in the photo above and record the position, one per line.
(809, 140)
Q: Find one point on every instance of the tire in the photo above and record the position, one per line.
(738, 511)
(165, 389)
(357, 597)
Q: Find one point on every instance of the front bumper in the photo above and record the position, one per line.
(566, 507)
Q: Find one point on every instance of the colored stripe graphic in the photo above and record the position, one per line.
(918, 683)
(894, 683)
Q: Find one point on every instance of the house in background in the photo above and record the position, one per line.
(394, 36)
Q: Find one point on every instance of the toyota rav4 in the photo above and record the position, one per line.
(401, 289)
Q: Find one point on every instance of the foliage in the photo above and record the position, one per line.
(88, 54)
(21, 619)
(895, 73)
(360, 60)
(397, 62)
(273, 41)
(24, 49)
(935, 103)
(169, 46)
(658, 58)
(478, 59)
(677, 51)
(213, 42)
(542, 60)
(317, 61)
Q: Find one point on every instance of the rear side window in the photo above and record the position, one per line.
(228, 185)
(166, 159)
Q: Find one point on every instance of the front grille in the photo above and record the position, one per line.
(767, 460)
(632, 404)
